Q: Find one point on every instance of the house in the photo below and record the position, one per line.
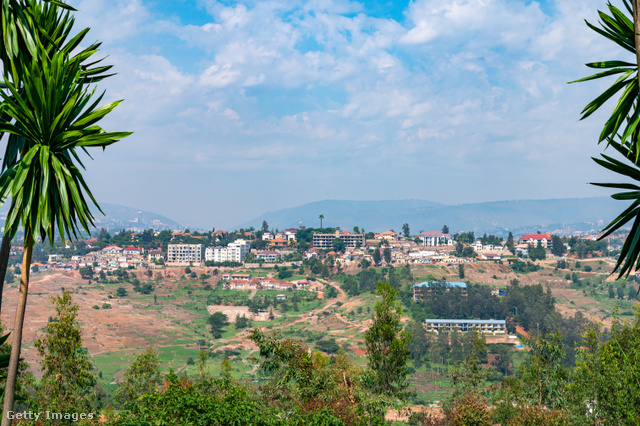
(267, 236)
(281, 296)
(543, 240)
(290, 234)
(435, 238)
(155, 255)
(387, 235)
(269, 256)
(279, 242)
(131, 250)
(112, 249)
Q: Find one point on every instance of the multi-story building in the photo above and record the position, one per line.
(435, 238)
(325, 241)
(185, 254)
(543, 240)
(236, 251)
(483, 326)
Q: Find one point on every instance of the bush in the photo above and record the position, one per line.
(470, 409)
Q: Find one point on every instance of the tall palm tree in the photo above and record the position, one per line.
(622, 129)
(24, 22)
(321, 217)
(55, 117)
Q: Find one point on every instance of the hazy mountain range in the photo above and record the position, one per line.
(494, 217)
(498, 217)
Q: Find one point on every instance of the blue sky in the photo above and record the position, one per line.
(240, 108)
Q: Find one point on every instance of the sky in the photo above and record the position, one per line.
(240, 108)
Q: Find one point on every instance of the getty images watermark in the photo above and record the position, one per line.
(48, 415)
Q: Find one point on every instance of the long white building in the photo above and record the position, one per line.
(236, 251)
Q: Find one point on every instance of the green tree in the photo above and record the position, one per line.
(621, 131)
(387, 346)
(445, 229)
(387, 255)
(321, 217)
(406, 231)
(544, 376)
(142, 377)
(68, 381)
(217, 321)
(86, 272)
(338, 245)
(606, 375)
(376, 256)
(241, 322)
(54, 114)
(265, 226)
(461, 271)
(557, 246)
(511, 245)
(121, 292)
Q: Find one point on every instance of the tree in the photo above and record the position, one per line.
(321, 217)
(621, 131)
(31, 28)
(68, 380)
(557, 246)
(54, 114)
(445, 229)
(387, 255)
(511, 245)
(217, 320)
(376, 256)
(141, 377)
(387, 345)
(461, 271)
(265, 226)
(338, 245)
(241, 322)
(121, 292)
(406, 231)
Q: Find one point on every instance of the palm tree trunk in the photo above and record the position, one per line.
(12, 374)
(4, 261)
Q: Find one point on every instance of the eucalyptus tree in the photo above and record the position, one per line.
(31, 28)
(56, 115)
(621, 131)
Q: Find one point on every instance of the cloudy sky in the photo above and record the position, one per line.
(240, 108)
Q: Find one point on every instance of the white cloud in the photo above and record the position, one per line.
(321, 86)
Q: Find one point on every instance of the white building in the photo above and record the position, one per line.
(236, 251)
(435, 238)
(185, 253)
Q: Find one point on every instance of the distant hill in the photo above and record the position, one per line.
(121, 217)
(495, 217)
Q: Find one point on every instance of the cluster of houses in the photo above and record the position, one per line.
(109, 258)
(429, 247)
(247, 282)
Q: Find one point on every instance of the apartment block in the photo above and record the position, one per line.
(325, 241)
(185, 254)
(483, 326)
(236, 251)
